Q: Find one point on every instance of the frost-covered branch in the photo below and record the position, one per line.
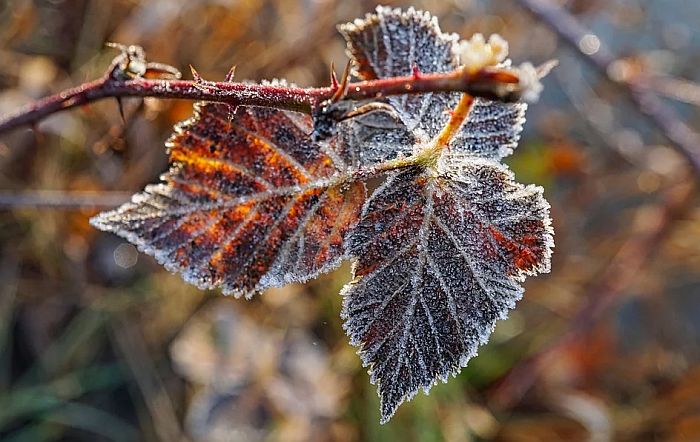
(131, 75)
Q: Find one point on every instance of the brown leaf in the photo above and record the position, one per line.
(249, 202)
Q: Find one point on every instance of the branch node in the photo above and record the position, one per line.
(129, 64)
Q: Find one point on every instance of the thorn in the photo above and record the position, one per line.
(343, 87)
(197, 78)
(199, 82)
(334, 77)
(231, 73)
(416, 71)
(120, 104)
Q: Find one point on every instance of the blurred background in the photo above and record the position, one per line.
(98, 342)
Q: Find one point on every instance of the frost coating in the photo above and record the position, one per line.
(440, 250)
(391, 42)
(249, 202)
(440, 254)
(492, 129)
(373, 138)
(530, 82)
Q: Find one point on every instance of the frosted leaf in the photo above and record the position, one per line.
(249, 202)
(492, 129)
(391, 42)
(372, 138)
(440, 254)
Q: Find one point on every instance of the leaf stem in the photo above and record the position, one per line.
(428, 156)
(458, 116)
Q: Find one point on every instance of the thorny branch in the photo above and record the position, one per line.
(682, 137)
(131, 75)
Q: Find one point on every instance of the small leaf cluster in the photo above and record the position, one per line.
(255, 199)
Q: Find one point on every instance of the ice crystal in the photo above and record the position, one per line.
(530, 82)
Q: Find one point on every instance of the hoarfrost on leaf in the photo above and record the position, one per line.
(441, 247)
(440, 255)
(391, 42)
(249, 202)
